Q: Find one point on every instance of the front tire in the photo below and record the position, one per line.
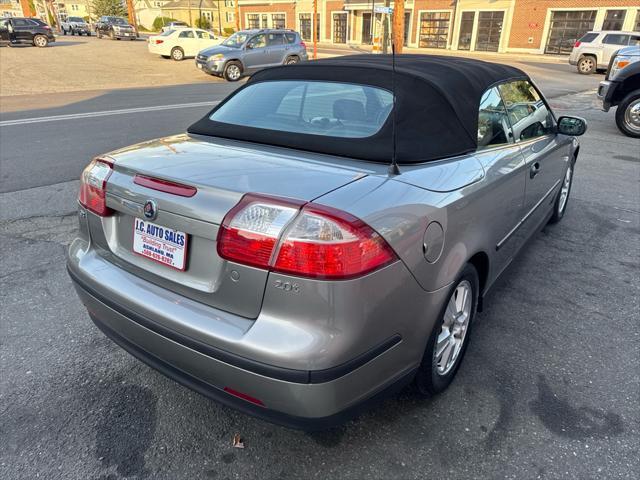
(586, 65)
(291, 60)
(177, 54)
(448, 341)
(560, 205)
(40, 41)
(232, 71)
(628, 115)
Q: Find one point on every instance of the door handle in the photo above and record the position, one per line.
(534, 170)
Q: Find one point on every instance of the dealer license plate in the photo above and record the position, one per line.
(161, 244)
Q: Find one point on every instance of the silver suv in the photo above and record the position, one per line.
(247, 51)
(594, 50)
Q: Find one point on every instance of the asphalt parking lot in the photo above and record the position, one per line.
(549, 387)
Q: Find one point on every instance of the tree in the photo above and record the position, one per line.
(108, 7)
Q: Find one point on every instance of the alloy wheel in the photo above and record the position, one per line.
(450, 340)
(234, 72)
(632, 116)
(40, 41)
(564, 191)
(586, 65)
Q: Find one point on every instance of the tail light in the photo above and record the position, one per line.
(93, 186)
(158, 42)
(303, 45)
(307, 240)
(577, 44)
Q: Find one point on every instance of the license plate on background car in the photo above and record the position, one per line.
(161, 244)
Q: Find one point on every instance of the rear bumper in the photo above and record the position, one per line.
(150, 323)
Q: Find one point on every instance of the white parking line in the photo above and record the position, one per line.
(104, 113)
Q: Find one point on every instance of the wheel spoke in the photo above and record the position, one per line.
(443, 340)
(446, 354)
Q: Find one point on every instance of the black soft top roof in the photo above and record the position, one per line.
(437, 101)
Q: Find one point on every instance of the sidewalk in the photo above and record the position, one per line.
(331, 50)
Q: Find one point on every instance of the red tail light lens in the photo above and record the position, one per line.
(158, 42)
(327, 243)
(313, 241)
(303, 45)
(93, 186)
(577, 44)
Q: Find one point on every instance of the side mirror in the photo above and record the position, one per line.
(248, 46)
(574, 126)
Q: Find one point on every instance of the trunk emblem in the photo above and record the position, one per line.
(150, 210)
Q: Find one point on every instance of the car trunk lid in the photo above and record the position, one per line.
(221, 171)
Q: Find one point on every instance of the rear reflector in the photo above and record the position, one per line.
(307, 240)
(165, 186)
(244, 396)
(93, 186)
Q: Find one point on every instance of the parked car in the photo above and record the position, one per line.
(621, 88)
(248, 51)
(181, 43)
(16, 30)
(174, 26)
(594, 49)
(75, 26)
(294, 255)
(115, 28)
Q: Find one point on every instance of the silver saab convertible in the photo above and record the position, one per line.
(317, 241)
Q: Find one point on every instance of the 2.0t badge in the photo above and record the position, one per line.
(150, 210)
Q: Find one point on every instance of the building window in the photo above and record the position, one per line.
(253, 21)
(466, 30)
(264, 20)
(489, 31)
(614, 20)
(637, 27)
(305, 26)
(228, 3)
(567, 27)
(339, 28)
(230, 17)
(434, 29)
(278, 20)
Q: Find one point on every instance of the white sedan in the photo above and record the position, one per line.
(181, 43)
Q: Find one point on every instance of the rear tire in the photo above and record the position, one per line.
(628, 115)
(586, 65)
(232, 71)
(291, 60)
(450, 336)
(40, 41)
(177, 54)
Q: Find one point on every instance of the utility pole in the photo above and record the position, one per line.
(219, 19)
(315, 29)
(131, 13)
(189, 8)
(398, 25)
(237, 15)
(385, 29)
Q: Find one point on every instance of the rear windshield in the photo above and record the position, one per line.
(166, 33)
(330, 109)
(588, 37)
(76, 19)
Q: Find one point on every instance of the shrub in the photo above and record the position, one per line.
(160, 22)
(229, 31)
(203, 23)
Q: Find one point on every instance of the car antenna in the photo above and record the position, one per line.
(393, 168)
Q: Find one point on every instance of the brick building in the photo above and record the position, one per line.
(532, 26)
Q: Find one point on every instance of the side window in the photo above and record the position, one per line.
(202, 34)
(259, 41)
(275, 39)
(18, 22)
(186, 34)
(493, 125)
(291, 37)
(634, 39)
(529, 115)
(616, 39)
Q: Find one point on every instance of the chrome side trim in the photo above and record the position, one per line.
(526, 217)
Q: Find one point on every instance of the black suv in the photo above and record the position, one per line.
(115, 28)
(16, 30)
